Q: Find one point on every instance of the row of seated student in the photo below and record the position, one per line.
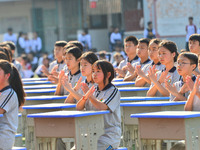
(87, 80)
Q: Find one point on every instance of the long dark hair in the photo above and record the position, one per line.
(14, 80)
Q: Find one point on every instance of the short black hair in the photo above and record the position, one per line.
(60, 43)
(195, 37)
(77, 43)
(156, 41)
(3, 56)
(150, 22)
(106, 67)
(171, 46)
(191, 56)
(132, 39)
(75, 51)
(144, 40)
(11, 44)
(190, 18)
(10, 29)
(89, 57)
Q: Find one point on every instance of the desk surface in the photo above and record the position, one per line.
(34, 79)
(42, 86)
(40, 91)
(167, 114)
(143, 98)
(123, 83)
(67, 114)
(117, 79)
(53, 97)
(36, 82)
(129, 89)
(152, 103)
(50, 106)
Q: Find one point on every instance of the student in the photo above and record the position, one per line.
(58, 63)
(142, 53)
(117, 59)
(167, 55)
(26, 67)
(45, 62)
(106, 97)
(187, 62)
(72, 60)
(142, 79)
(36, 44)
(86, 62)
(130, 46)
(11, 98)
(115, 37)
(149, 32)
(77, 44)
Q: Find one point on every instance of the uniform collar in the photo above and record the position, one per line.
(106, 87)
(156, 64)
(135, 58)
(60, 62)
(171, 70)
(146, 61)
(5, 88)
(75, 73)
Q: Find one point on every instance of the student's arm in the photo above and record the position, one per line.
(59, 85)
(121, 73)
(2, 111)
(130, 77)
(131, 74)
(142, 78)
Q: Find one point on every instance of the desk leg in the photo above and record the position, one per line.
(88, 131)
(69, 142)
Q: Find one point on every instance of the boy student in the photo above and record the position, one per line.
(180, 90)
(130, 46)
(143, 78)
(58, 64)
(194, 46)
(142, 52)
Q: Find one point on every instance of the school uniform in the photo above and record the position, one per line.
(145, 69)
(125, 61)
(196, 103)
(73, 79)
(178, 86)
(112, 121)
(18, 66)
(148, 61)
(174, 77)
(9, 121)
(54, 63)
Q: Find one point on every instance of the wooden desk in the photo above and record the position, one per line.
(33, 100)
(34, 79)
(133, 91)
(36, 82)
(130, 126)
(140, 99)
(42, 86)
(28, 123)
(84, 126)
(39, 92)
(171, 125)
(124, 84)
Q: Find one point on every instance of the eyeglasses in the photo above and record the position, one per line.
(182, 64)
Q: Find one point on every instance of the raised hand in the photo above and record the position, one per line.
(84, 87)
(130, 68)
(78, 84)
(139, 70)
(45, 70)
(66, 83)
(89, 92)
(196, 86)
(163, 76)
(152, 73)
(189, 83)
(171, 88)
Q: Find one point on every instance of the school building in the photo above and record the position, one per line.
(63, 19)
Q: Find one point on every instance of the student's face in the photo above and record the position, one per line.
(71, 61)
(153, 51)
(58, 52)
(3, 77)
(86, 68)
(130, 48)
(97, 75)
(199, 62)
(184, 66)
(194, 46)
(142, 50)
(165, 56)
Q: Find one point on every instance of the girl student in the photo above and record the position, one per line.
(193, 101)
(168, 56)
(72, 60)
(86, 61)
(104, 97)
(187, 63)
(143, 78)
(11, 98)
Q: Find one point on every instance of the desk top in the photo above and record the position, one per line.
(123, 83)
(34, 79)
(19, 148)
(19, 114)
(37, 82)
(50, 106)
(67, 114)
(167, 114)
(152, 103)
(40, 91)
(52, 97)
(143, 98)
(42, 86)
(128, 89)
(117, 79)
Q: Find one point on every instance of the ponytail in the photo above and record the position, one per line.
(14, 80)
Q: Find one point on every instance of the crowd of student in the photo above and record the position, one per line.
(87, 79)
